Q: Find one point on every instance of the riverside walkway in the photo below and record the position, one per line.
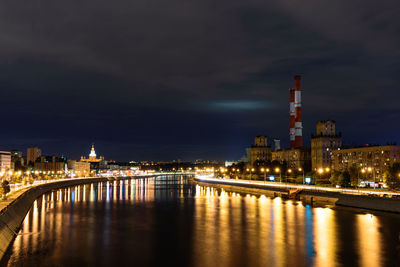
(260, 184)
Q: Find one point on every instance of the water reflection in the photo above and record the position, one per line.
(160, 220)
(369, 240)
(325, 232)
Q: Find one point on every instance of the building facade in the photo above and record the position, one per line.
(79, 168)
(50, 164)
(259, 151)
(92, 157)
(17, 160)
(374, 159)
(295, 157)
(5, 161)
(323, 143)
(32, 154)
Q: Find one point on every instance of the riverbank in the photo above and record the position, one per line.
(14, 209)
(308, 194)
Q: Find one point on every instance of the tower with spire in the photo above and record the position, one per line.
(92, 156)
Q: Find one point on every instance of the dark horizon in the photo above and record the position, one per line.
(165, 81)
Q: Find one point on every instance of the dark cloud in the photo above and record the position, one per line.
(193, 79)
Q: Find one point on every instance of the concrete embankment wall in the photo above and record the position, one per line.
(315, 197)
(12, 216)
(372, 203)
(248, 189)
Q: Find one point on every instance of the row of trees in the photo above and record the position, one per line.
(352, 177)
(392, 176)
(349, 178)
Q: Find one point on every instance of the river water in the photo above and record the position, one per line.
(167, 221)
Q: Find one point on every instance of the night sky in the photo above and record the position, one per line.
(162, 80)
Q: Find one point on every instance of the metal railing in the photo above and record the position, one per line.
(294, 186)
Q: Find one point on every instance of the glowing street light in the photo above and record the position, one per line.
(302, 170)
(277, 170)
(265, 174)
(370, 169)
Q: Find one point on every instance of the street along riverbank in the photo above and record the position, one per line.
(15, 208)
(309, 194)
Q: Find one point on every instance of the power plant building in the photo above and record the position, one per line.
(297, 156)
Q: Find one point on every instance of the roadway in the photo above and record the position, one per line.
(380, 192)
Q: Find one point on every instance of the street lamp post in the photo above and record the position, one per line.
(277, 170)
(263, 170)
(363, 171)
(320, 171)
(287, 177)
(302, 170)
(370, 169)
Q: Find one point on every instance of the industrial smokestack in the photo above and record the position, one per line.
(297, 106)
(292, 114)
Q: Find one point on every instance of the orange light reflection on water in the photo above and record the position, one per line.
(228, 229)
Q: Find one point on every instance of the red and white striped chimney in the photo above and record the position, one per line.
(292, 115)
(297, 105)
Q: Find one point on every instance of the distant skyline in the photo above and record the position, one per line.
(159, 80)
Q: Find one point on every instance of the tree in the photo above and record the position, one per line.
(344, 179)
(354, 175)
(393, 176)
(5, 186)
(335, 178)
(299, 179)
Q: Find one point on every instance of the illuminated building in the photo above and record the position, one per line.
(79, 168)
(323, 143)
(295, 158)
(32, 154)
(92, 157)
(50, 164)
(5, 161)
(17, 160)
(259, 151)
(373, 159)
(277, 144)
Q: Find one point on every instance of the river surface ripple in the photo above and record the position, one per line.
(167, 221)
